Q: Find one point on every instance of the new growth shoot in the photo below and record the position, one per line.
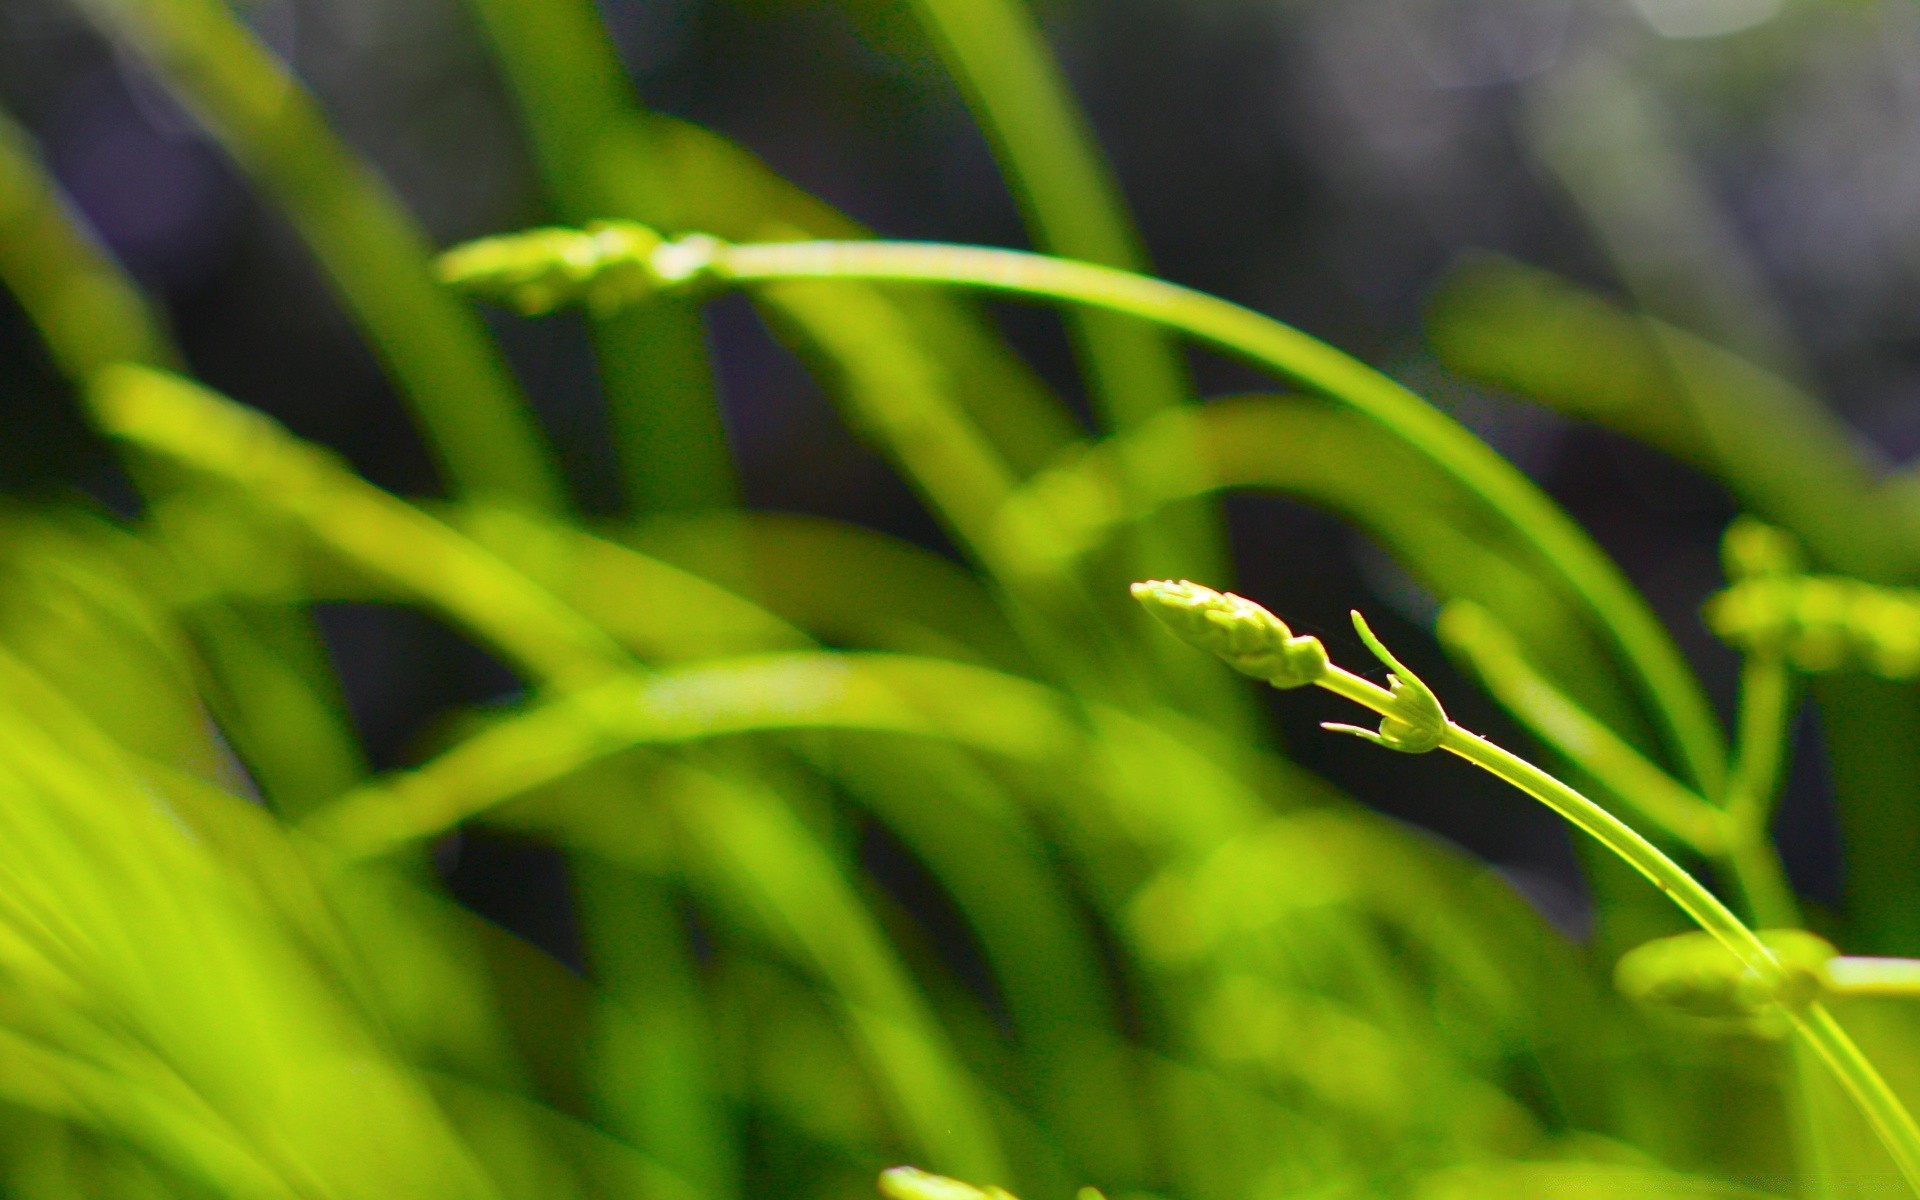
(1257, 643)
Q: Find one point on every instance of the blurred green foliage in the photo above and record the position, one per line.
(1144, 950)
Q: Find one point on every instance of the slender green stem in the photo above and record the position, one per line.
(1735, 839)
(1853, 976)
(1557, 720)
(1665, 683)
(1766, 712)
(1889, 1117)
(1815, 1024)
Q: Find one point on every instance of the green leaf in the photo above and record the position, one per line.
(378, 259)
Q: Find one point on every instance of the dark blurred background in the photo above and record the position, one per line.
(1749, 169)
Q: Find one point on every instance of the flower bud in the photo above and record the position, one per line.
(1246, 636)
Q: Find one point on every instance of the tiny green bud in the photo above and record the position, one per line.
(1693, 973)
(1751, 548)
(1421, 723)
(1822, 623)
(1250, 639)
(604, 267)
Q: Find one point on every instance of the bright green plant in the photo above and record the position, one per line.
(227, 968)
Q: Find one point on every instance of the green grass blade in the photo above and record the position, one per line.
(910, 600)
(1781, 451)
(1073, 208)
(168, 991)
(1666, 686)
(597, 160)
(465, 401)
(287, 719)
(188, 424)
(87, 311)
(755, 847)
(1072, 205)
(652, 1066)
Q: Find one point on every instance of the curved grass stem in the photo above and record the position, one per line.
(1665, 684)
(1882, 1108)
(1412, 720)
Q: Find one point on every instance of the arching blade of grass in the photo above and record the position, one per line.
(1665, 685)
(286, 716)
(445, 366)
(168, 415)
(1786, 457)
(936, 800)
(597, 160)
(87, 311)
(909, 600)
(903, 400)
(1073, 208)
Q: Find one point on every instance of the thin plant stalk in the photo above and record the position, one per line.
(1665, 683)
(1255, 642)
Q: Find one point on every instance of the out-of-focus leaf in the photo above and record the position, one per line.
(576, 104)
(1575, 1181)
(87, 311)
(466, 402)
(1781, 451)
(847, 586)
(652, 1064)
(169, 416)
(1073, 208)
(723, 189)
(76, 603)
(742, 850)
(157, 999)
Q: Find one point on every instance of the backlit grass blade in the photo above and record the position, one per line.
(753, 846)
(167, 415)
(906, 402)
(910, 600)
(286, 717)
(1665, 685)
(596, 157)
(467, 404)
(591, 126)
(652, 1066)
(193, 1024)
(1073, 208)
(87, 311)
